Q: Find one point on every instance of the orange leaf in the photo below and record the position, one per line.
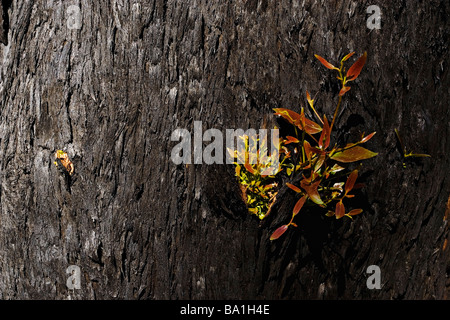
(291, 139)
(279, 232)
(325, 62)
(340, 210)
(354, 212)
(299, 205)
(347, 56)
(291, 186)
(343, 90)
(356, 68)
(308, 97)
(249, 168)
(354, 154)
(351, 181)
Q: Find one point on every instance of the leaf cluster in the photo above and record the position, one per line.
(310, 157)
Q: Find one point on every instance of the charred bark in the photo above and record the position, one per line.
(111, 92)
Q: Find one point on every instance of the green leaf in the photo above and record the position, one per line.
(353, 154)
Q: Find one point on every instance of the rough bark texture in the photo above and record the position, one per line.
(141, 227)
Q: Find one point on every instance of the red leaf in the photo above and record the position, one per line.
(343, 91)
(358, 186)
(367, 138)
(340, 210)
(279, 232)
(296, 189)
(356, 68)
(307, 148)
(325, 62)
(311, 190)
(324, 140)
(299, 205)
(354, 212)
(354, 154)
(291, 116)
(351, 181)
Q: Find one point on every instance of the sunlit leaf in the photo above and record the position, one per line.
(336, 168)
(343, 90)
(354, 154)
(367, 138)
(340, 210)
(279, 232)
(356, 68)
(347, 56)
(325, 62)
(351, 181)
(291, 186)
(299, 205)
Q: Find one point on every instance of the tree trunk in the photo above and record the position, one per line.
(110, 92)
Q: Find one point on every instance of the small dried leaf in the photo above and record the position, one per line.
(354, 154)
(279, 232)
(325, 62)
(65, 161)
(356, 68)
